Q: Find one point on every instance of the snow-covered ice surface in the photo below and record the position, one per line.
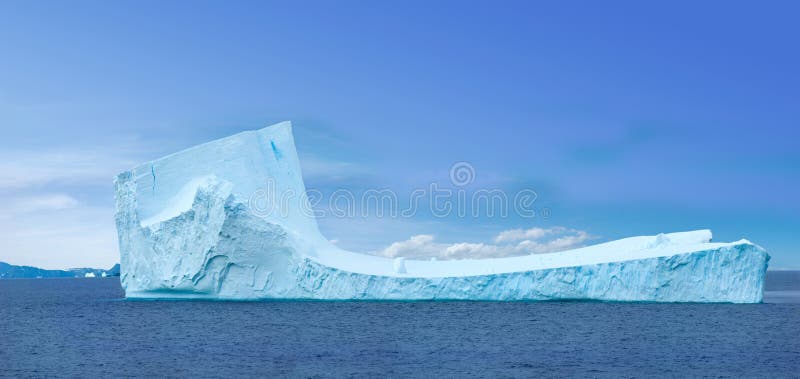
(203, 223)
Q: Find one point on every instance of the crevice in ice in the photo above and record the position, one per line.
(275, 151)
(153, 174)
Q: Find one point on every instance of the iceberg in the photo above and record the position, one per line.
(188, 230)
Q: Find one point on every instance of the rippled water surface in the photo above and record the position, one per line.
(82, 327)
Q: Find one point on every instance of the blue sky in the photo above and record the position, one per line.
(626, 118)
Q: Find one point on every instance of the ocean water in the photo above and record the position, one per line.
(83, 327)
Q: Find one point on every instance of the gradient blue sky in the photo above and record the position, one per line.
(627, 118)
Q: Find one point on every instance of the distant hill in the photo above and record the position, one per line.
(9, 271)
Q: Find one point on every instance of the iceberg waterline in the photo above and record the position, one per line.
(186, 231)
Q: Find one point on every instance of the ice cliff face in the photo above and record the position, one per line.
(187, 229)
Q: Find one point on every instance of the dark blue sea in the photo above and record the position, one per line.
(83, 327)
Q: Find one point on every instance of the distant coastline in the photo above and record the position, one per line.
(9, 271)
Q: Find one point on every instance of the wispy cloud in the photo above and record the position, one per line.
(508, 243)
(23, 169)
(317, 169)
(43, 222)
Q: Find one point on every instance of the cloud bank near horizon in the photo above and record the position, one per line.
(508, 243)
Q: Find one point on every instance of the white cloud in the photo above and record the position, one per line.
(507, 243)
(417, 246)
(464, 250)
(44, 202)
(570, 240)
(525, 234)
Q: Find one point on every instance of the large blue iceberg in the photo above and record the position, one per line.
(187, 229)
